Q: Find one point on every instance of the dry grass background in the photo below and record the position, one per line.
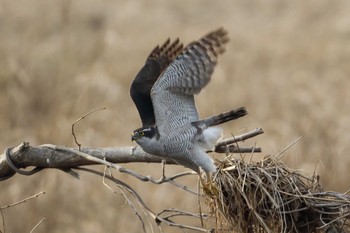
(288, 62)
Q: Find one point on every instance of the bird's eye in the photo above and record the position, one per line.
(142, 133)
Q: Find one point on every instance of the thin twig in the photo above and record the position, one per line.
(22, 201)
(199, 200)
(230, 145)
(131, 205)
(280, 155)
(17, 203)
(42, 220)
(123, 184)
(158, 219)
(79, 119)
(3, 221)
(240, 138)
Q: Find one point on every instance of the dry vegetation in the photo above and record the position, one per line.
(268, 196)
(287, 62)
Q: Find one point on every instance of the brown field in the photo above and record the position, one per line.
(288, 62)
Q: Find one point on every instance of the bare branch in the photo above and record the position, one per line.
(130, 203)
(17, 203)
(158, 218)
(171, 213)
(22, 201)
(229, 145)
(280, 155)
(41, 221)
(2, 220)
(64, 158)
(79, 119)
(52, 156)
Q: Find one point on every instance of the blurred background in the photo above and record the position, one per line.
(288, 63)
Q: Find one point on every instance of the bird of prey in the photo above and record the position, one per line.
(163, 92)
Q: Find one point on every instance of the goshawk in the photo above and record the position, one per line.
(163, 92)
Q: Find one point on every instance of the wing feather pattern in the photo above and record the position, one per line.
(173, 93)
(156, 63)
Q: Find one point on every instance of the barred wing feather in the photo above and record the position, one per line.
(173, 93)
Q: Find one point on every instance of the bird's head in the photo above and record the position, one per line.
(144, 133)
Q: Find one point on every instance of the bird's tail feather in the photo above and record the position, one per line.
(225, 116)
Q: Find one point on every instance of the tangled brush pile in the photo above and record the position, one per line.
(267, 196)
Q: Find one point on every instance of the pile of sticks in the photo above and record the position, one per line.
(267, 196)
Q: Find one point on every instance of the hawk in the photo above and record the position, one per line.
(163, 92)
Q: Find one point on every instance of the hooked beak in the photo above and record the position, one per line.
(134, 136)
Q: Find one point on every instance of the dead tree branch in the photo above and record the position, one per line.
(157, 217)
(22, 201)
(18, 159)
(13, 160)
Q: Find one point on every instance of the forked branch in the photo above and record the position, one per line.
(51, 156)
(15, 160)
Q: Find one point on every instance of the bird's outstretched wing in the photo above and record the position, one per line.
(172, 94)
(156, 63)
